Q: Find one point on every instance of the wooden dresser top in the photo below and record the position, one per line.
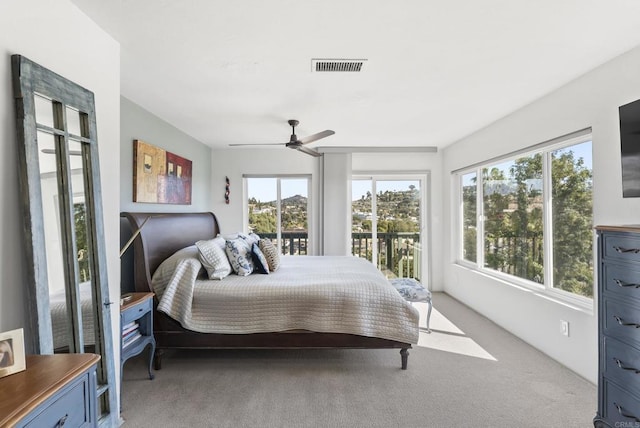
(22, 392)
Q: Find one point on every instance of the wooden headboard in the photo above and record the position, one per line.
(164, 234)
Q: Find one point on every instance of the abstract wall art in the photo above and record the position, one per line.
(160, 177)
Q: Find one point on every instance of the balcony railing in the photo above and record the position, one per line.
(399, 253)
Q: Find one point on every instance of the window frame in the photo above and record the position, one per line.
(546, 288)
(278, 177)
(424, 177)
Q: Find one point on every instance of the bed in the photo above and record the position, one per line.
(166, 233)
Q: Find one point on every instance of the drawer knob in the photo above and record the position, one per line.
(626, 324)
(62, 421)
(625, 284)
(619, 364)
(626, 250)
(626, 415)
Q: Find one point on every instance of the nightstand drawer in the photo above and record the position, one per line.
(136, 311)
(621, 281)
(620, 405)
(622, 363)
(622, 247)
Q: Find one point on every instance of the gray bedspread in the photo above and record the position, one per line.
(320, 294)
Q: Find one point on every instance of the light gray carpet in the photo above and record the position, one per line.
(517, 387)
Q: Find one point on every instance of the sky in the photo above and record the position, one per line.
(265, 189)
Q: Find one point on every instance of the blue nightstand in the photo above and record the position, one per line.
(136, 323)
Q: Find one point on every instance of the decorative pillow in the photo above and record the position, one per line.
(260, 263)
(239, 254)
(251, 238)
(270, 253)
(214, 258)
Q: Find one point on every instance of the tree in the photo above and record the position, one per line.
(572, 213)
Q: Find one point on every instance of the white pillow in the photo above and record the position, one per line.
(214, 258)
(239, 254)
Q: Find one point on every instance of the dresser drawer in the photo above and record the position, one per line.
(71, 409)
(134, 312)
(622, 363)
(620, 405)
(621, 320)
(621, 247)
(621, 281)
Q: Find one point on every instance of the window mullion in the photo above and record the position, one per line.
(278, 215)
(374, 223)
(480, 219)
(547, 223)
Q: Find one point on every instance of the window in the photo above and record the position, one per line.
(278, 209)
(529, 216)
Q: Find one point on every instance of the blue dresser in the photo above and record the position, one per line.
(618, 326)
(54, 391)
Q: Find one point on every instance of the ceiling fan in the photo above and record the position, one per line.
(297, 143)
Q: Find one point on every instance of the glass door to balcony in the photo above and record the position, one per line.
(387, 224)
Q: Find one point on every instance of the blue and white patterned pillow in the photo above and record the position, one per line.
(259, 260)
(251, 238)
(239, 254)
(213, 257)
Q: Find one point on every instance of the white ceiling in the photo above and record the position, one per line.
(235, 71)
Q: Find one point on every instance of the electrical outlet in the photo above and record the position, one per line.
(564, 327)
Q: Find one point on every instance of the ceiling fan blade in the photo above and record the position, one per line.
(257, 144)
(315, 137)
(308, 151)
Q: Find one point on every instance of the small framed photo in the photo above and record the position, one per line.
(12, 359)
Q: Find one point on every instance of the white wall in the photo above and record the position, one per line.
(139, 124)
(336, 203)
(590, 101)
(58, 36)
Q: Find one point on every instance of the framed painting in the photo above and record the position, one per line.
(12, 359)
(160, 177)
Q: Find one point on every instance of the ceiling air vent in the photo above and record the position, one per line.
(336, 65)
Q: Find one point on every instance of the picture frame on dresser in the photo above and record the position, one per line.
(12, 355)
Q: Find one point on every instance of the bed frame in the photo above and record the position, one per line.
(165, 233)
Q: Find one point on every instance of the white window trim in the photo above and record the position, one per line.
(311, 236)
(576, 301)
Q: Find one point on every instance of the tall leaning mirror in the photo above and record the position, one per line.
(60, 188)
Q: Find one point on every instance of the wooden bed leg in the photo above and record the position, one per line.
(404, 354)
(157, 359)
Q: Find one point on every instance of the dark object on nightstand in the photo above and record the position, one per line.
(136, 324)
(618, 326)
